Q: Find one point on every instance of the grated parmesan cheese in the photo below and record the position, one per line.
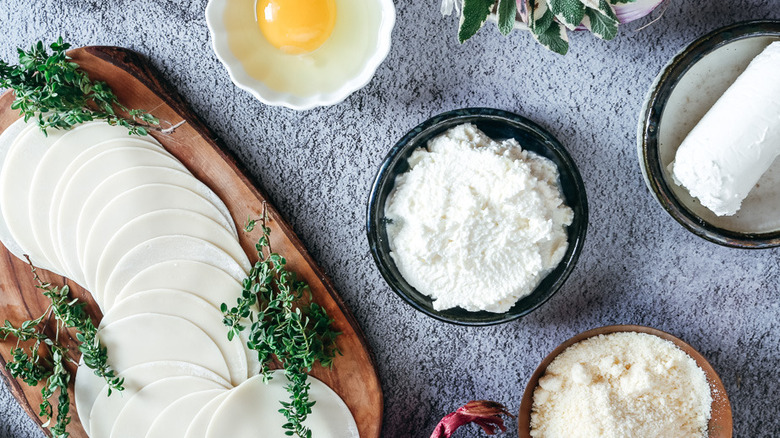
(622, 385)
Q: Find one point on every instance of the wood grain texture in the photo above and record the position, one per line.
(353, 376)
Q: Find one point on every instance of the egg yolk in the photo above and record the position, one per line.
(296, 26)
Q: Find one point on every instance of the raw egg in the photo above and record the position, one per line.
(296, 26)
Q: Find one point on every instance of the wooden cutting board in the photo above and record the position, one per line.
(353, 376)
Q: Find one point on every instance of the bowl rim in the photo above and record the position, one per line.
(721, 421)
(650, 118)
(242, 79)
(384, 176)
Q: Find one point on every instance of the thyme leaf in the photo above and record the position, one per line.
(283, 324)
(55, 91)
(43, 361)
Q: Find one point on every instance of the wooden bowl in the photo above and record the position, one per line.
(720, 425)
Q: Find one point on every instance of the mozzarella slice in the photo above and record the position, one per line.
(194, 309)
(162, 249)
(174, 420)
(106, 250)
(200, 279)
(197, 428)
(83, 181)
(89, 388)
(53, 164)
(207, 281)
(142, 409)
(154, 337)
(64, 177)
(736, 142)
(254, 406)
(7, 139)
(15, 177)
(134, 177)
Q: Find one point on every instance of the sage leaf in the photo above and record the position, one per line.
(475, 13)
(507, 11)
(602, 21)
(554, 38)
(568, 12)
(540, 16)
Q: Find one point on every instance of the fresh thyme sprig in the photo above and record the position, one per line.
(35, 368)
(284, 324)
(60, 95)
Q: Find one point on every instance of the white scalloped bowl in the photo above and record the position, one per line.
(345, 63)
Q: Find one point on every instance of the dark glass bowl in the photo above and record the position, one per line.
(497, 125)
(649, 145)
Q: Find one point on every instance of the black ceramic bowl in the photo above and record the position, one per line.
(686, 88)
(498, 125)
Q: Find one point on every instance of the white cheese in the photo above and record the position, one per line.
(201, 279)
(80, 184)
(92, 393)
(174, 420)
(622, 385)
(253, 406)
(132, 230)
(162, 249)
(152, 337)
(142, 409)
(134, 177)
(130, 205)
(15, 177)
(195, 310)
(51, 169)
(7, 139)
(476, 223)
(199, 425)
(738, 139)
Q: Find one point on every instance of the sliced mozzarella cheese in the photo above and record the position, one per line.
(7, 139)
(64, 177)
(154, 337)
(53, 164)
(130, 231)
(254, 406)
(202, 279)
(190, 307)
(17, 172)
(736, 142)
(82, 182)
(197, 428)
(134, 177)
(162, 249)
(90, 388)
(142, 409)
(174, 420)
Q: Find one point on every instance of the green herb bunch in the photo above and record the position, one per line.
(284, 324)
(43, 361)
(547, 20)
(60, 95)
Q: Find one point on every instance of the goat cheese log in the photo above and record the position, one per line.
(737, 141)
(159, 252)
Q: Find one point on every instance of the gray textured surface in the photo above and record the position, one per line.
(638, 265)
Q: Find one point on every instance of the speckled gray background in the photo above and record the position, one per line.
(638, 266)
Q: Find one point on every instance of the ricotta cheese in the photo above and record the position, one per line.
(476, 223)
(737, 141)
(622, 385)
